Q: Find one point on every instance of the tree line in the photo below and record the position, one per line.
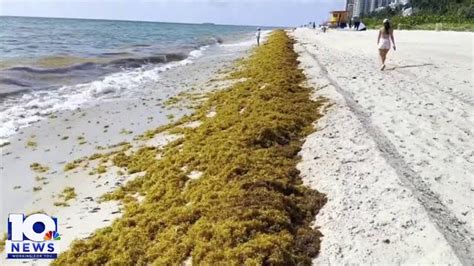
(444, 7)
(463, 9)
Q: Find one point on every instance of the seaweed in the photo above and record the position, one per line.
(40, 178)
(125, 131)
(67, 194)
(81, 140)
(249, 205)
(31, 143)
(101, 169)
(3, 241)
(38, 168)
(95, 156)
(72, 165)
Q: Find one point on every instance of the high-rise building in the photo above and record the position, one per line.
(359, 8)
(350, 7)
(367, 6)
(356, 9)
(383, 3)
(373, 5)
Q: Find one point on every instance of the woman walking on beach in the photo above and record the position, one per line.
(383, 41)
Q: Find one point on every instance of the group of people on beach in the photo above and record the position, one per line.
(354, 22)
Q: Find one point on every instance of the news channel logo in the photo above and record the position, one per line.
(33, 237)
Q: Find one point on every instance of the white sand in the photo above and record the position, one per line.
(395, 151)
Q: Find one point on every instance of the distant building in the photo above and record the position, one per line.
(383, 3)
(339, 19)
(349, 6)
(358, 8)
(374, 4)
(361, 7)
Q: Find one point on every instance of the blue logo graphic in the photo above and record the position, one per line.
(32, 237)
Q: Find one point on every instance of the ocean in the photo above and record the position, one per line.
(50, 64)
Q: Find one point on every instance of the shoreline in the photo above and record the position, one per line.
(375, 166)
(72, 135)
(122, 82)
(81, 69)
(186, 194)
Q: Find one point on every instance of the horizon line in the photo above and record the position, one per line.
(146, 21)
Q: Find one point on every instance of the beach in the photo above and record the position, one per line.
(218, 185)
(394, 151)
(300, 152)
(79, 132)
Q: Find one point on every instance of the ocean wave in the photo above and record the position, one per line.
(138, 62)
(114, 53)
(207, 41)
(140, 45)
(10, 81)
(59, 70)
(37, 104)
(21, 77)
(128, 62)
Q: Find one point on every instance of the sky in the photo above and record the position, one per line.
(234, 12)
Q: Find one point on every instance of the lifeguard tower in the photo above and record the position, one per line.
(338, 19)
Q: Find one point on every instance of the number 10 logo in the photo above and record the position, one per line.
(32, 237)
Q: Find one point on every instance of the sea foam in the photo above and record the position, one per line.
(36, 105)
